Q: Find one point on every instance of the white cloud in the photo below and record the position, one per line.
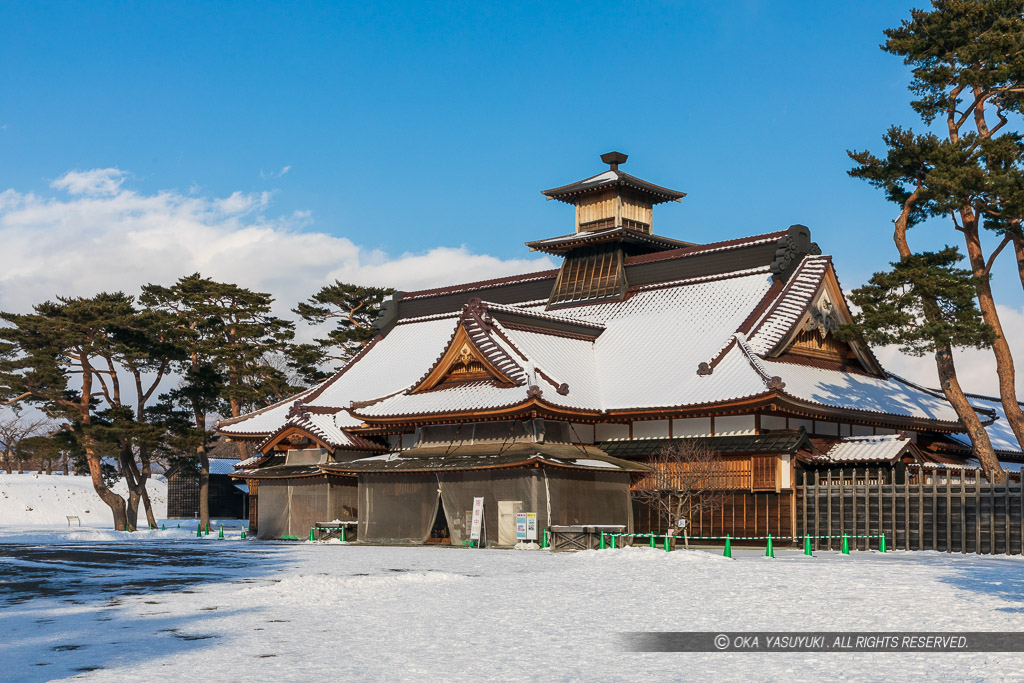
(105, 237)
(280, 173)
(96, 182)
(976, 368)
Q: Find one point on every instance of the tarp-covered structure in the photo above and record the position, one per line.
(400, 495)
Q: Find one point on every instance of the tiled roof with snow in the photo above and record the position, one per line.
(261, 421)
(325, 428)
(641, 352)
(859, 392)
(790, 306)
(999, 432)
(867, 449)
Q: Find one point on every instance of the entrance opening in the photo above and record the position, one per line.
(440, 534)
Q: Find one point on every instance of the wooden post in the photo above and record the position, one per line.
(906, 510)
(805, 504)
(949, 514)
(992, 518)
(842, 504)
(817, 511)
(963, 513)
(977, 513)
(935, 511)
(881, 507)
(921, 508)
(853, 511)
(1006, 505)
(828, 494)
(892, 479)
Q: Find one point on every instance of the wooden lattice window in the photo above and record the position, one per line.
(586, 274)
(763, 472)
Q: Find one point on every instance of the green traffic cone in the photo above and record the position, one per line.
(243, 534)
(600, 546)
(613, 542)
(221, 535)
(343, 535)
(769, 551)
(668, 544)
(846, 545)
(807, 546)
(310, 534)
(163, 527)
(199, 532)
(881, 544)
(544, 543)
(179, 525)
(652, 541)
(728, 547)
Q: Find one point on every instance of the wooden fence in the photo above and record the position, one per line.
(959, 511)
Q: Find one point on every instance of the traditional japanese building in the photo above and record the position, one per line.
(546, 392)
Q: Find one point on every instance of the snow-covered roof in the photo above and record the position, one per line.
(613, 178)
(868, 449)
(324, 427)
(791, 304)
(859, 392)
(999, 432)
(670, 344)
(264, 420)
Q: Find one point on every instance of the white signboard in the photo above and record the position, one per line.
(520, 526)
(531, 526)
(478, 518)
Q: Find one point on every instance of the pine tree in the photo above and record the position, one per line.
(52, 358)
(967, 59)
(925, 304)
(226, 333)
(352, 309)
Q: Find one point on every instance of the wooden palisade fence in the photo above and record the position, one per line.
(951, 510)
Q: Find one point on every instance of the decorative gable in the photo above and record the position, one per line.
(814, 335)
(463, 361)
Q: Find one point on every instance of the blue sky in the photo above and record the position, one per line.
(408, 126)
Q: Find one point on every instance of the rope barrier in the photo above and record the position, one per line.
(741, 538)
(769, 549)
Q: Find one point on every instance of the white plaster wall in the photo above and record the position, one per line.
(734, 424)
(691, 426)
(650, 429)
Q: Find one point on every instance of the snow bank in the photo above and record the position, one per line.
(28, 500)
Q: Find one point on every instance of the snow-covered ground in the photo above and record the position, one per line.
(47, 500)
(165, 607)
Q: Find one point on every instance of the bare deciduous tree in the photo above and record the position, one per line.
(15, 426)
(686, 479)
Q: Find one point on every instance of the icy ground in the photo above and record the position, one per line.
(165, 607)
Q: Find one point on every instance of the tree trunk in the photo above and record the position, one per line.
(975, 430)
(144, 476)
(1018, 250)
(1005, 370)
(49, 467)
(113, 501)
(204, 487)
(130, 478)
(150, 518)
(65, 466)
(236, 411)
